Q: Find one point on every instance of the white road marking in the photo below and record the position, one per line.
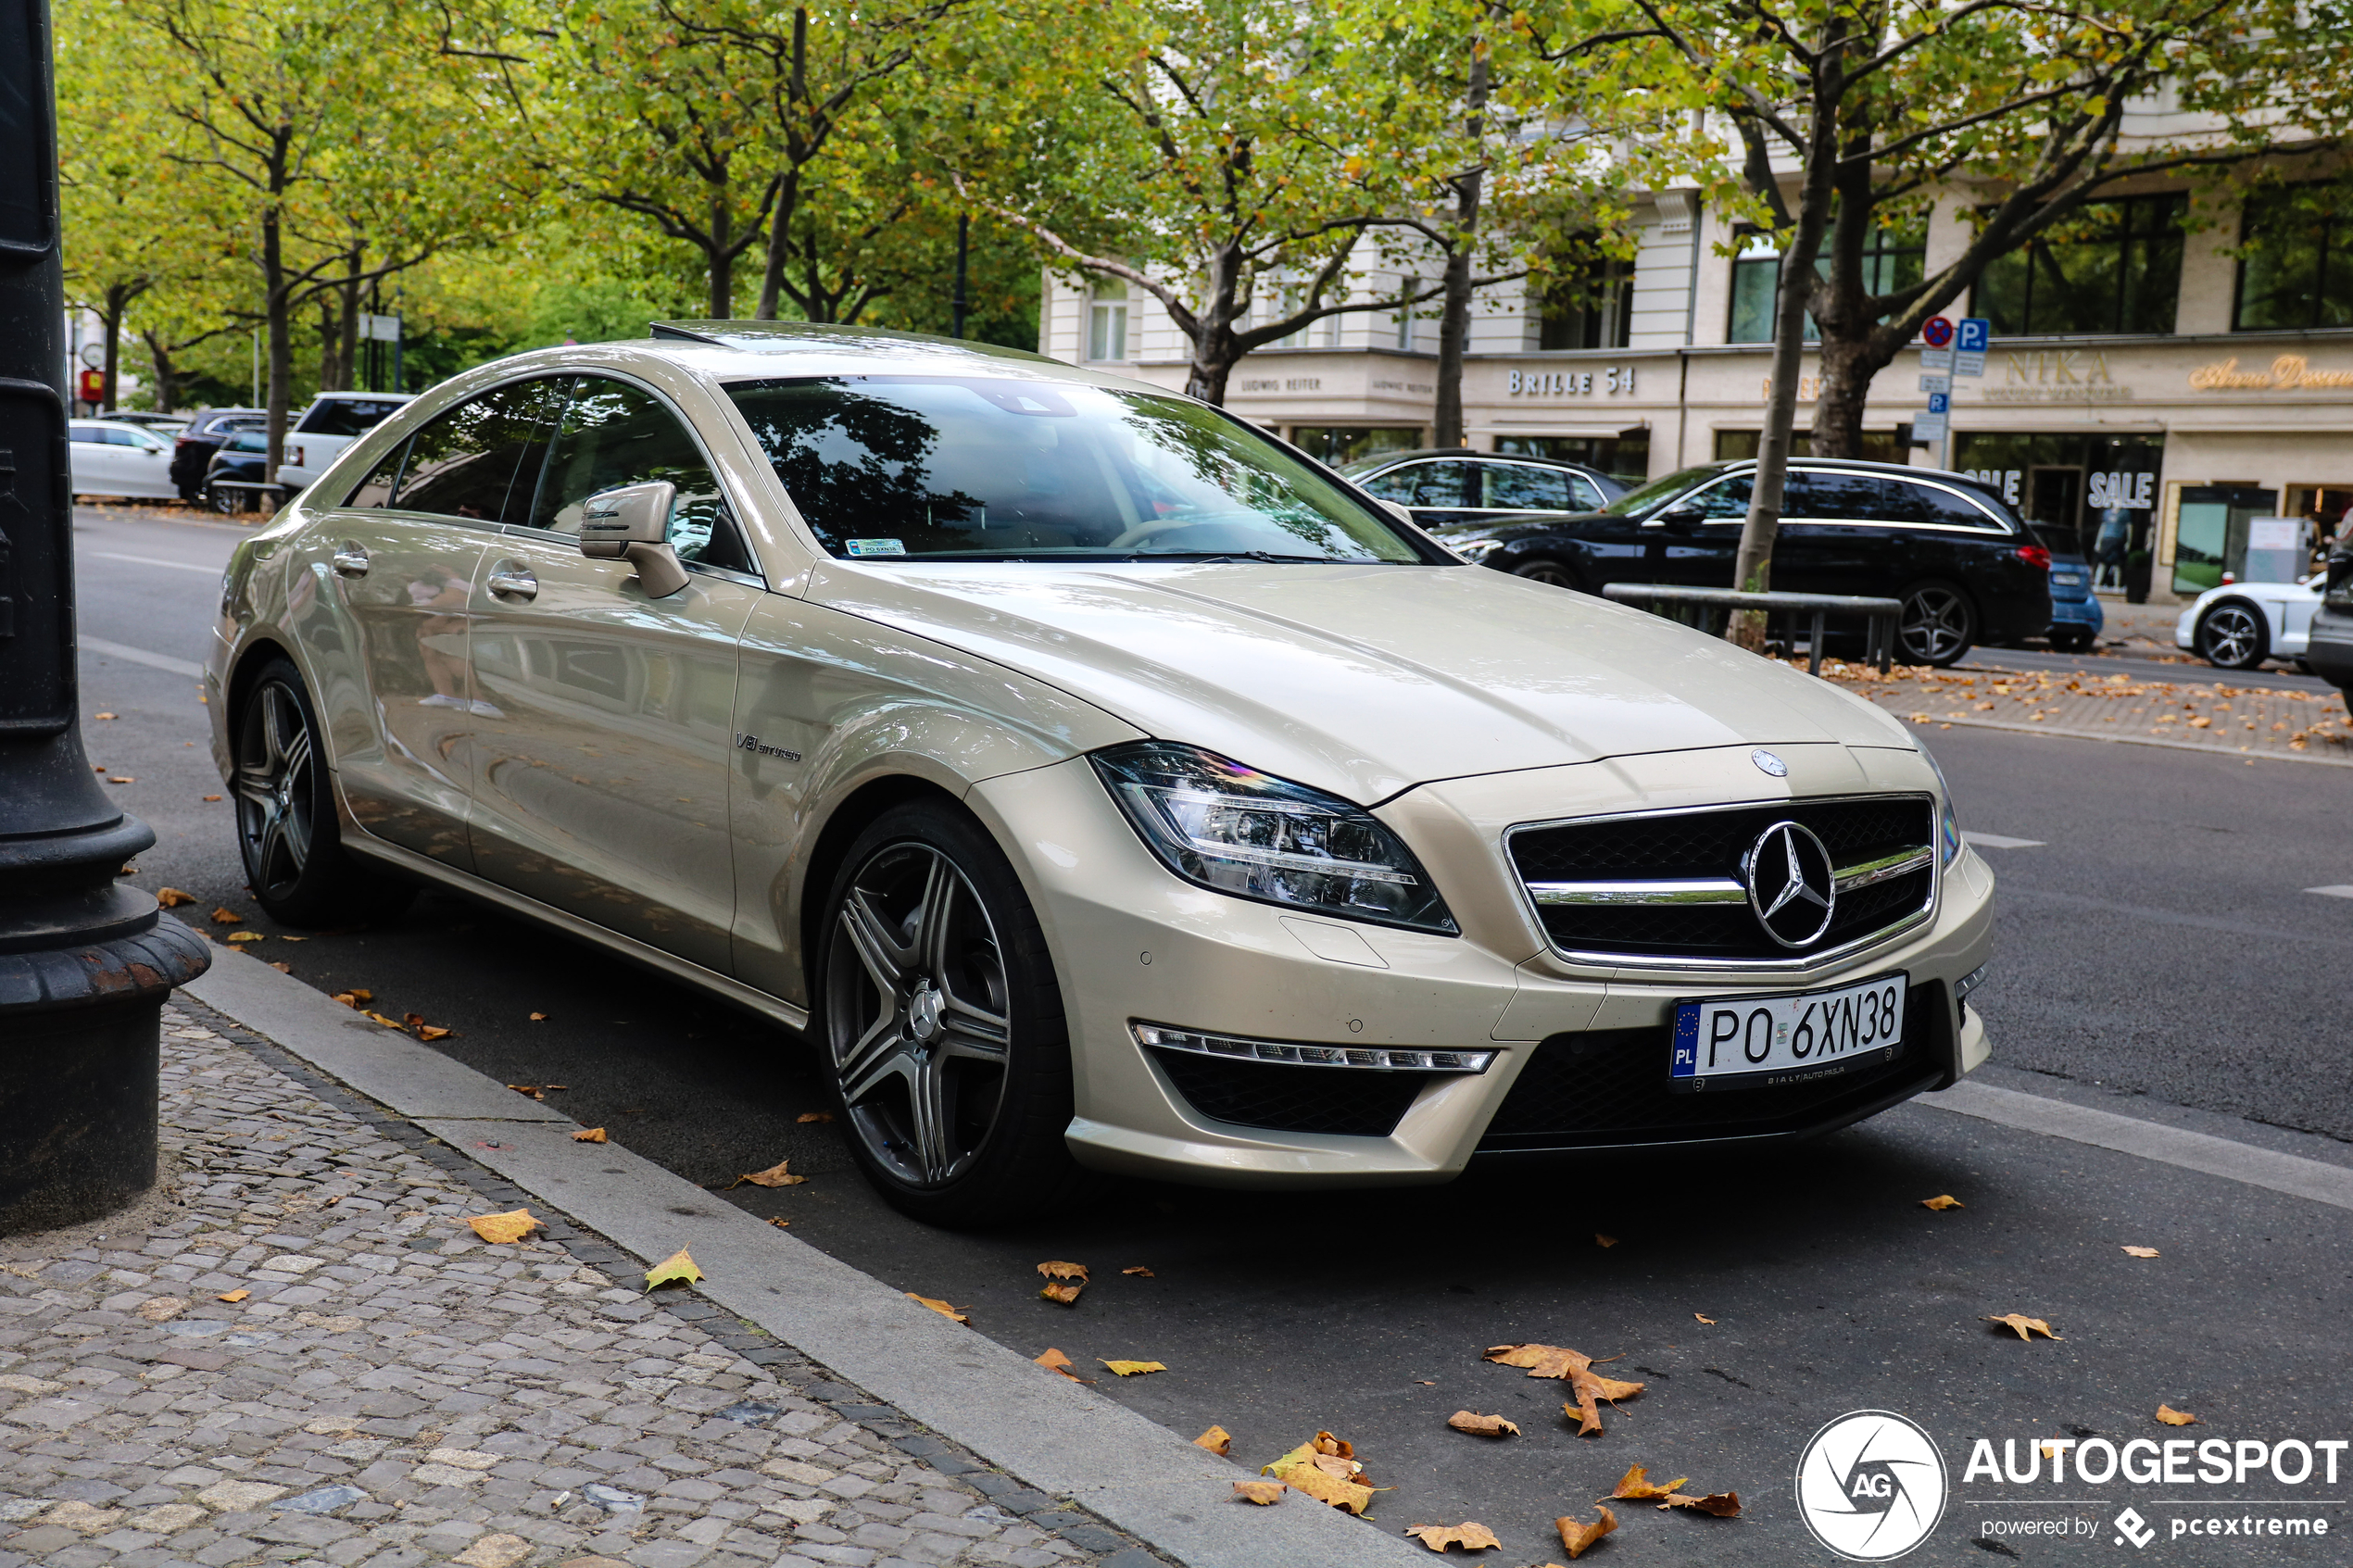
(153, 560)
(1996, 840)
(2227, 1158)
(2339, 891)
(141, 655)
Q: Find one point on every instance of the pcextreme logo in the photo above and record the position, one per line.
(1871, 1486)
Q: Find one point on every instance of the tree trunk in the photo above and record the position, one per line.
(1846, 369)
(273, 266)
(330, 339)
(118, 297)
(722, 257)
(166, 376)
(1215, 351)
(347, 357)
(1453, 327)
(771, 275)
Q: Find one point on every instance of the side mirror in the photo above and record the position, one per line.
(1679, 517)
(633, 524)
(1400, 512)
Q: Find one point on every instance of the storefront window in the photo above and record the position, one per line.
(1626, 458)
(1894, 257)
(2099, 492)
(2210, 536)
(1344, 444)
(2295, 266)
(1591, 309)
(2114, 267)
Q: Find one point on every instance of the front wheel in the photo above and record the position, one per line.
(2233, 636)
(1552, 573)
(943, 1024)
(1938, 624)
(287, 834)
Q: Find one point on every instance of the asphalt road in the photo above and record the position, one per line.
(2157, 954)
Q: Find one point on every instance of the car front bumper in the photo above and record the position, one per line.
(1133, 943)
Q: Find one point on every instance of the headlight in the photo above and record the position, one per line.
(1948, 826)
(1232, 828)
(1477, 550)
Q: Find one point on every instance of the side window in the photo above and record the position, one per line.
(1525, 487)
(85, 435)
(376, 489)
(615, 434)
(1584, 495)
(1931, 503)
(478, 460)
(1421, 485)
(1834, 495)
(1724, 501)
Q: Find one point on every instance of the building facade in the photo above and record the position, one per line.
(2158, 382)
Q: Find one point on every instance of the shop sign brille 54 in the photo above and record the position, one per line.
(2289, 372)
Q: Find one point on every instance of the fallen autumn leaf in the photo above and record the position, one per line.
(1217, 1440)
(2172, 1417)
(2023, 1324)
(538, 1018)
(1541, 1361)
(779, 1222)
(1141, 1273)
(676, 1269)
(936, 1305)
(355, 997)
(246, 936)
(808, 1116)
(1577, 1537)
(1943, 1201)
(1722, 1505)
(775, 1177)
(212, 798)
(1326, 1469)
(1054, 1360)
(171, 897)
(2141, 1252)
(1482, 1425)
(1705, 1318)
(102, 715)
(529, 1091)
(232, 1297)
(1636, 1487)
(1263, 1493)
(1065, 1281)
(1132, 1369)
(1469, 1537)
(589, 1134)
(1601, 1239)
(502, 1229)
(225, 915)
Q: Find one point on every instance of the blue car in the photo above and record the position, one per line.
(2076, 619)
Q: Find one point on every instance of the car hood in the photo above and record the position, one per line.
(1360, 680)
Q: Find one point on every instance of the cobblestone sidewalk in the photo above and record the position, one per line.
(301, 1353)
(2190, 715)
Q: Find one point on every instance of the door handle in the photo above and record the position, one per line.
(515, 580)
(350, 560)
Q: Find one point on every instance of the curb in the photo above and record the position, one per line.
(930, 1388)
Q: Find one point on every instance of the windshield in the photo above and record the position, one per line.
(970, 467)
(1635, 503)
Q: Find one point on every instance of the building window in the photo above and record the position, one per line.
(1344, 444)
(1406, 286)
(2115, 266)
(2295, 266)
(1592, 307)
(1107, 320)
(1625, 458)
(1895, 257)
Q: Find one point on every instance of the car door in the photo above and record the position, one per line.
(1839, 533)
(1436, 490)
(399, 563)
(1696, 540)
(2292, 632)
(1505, 487)
(600, 782)
(87, 460)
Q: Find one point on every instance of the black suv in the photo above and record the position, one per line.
(193, 448)
(1455, 484)
(1966, 568)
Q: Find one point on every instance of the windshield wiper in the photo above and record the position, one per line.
(1212, 556)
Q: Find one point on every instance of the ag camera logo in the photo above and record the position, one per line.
(1871, 1486)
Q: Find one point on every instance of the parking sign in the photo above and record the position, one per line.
(1976, 333)
(1940, 402)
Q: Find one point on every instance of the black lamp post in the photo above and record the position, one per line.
(85, 962)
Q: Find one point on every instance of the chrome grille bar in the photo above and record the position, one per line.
(1668, 892)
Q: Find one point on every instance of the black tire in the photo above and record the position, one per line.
(1552, 573)
(1938, 626)
(2232, 635)
(2071, 642)
(935, 988)
(287, 833)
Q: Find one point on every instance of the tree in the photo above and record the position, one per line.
(1879, 108)
(1226, 157)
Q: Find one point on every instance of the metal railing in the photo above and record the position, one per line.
(1880, 616)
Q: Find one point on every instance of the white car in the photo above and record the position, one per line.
(1090, 780)
(334, 421)
(2239, 625)
(114, 457)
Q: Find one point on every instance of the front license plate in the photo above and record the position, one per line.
(1754, 1042)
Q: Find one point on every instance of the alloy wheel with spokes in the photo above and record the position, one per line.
(918, 1016)
(276, 790)
(1938, 624)
(2233, 637)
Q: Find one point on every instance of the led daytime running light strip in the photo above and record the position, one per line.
(1375, 1059)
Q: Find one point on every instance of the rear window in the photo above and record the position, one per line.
(346, 415)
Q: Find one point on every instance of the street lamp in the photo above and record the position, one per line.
(85, 962)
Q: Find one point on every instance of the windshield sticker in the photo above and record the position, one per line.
(877, 548)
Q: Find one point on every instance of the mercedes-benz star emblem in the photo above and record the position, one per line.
(1791, 885)
(1769, 763)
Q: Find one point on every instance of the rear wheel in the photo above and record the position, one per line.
(286, 829)
(1552, 573)
(943, 1024)
(2233, 636)
(1938, 624)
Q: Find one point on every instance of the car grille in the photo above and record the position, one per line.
(1292, 1100)
(1609, 1086)
(1670, 887)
